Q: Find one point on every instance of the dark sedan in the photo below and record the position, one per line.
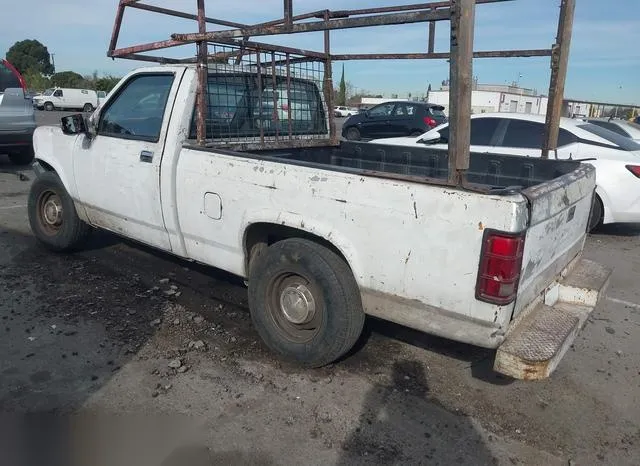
(393, 119)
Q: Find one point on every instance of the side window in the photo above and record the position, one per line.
(138, 110)
(482, 130)
(58, 93)
(381, 110)
(400, 110)
(523, 134)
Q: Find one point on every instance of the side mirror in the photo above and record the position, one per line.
(74, 124)
(432, 137)
(78, 124)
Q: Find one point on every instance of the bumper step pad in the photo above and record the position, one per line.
(536, 343)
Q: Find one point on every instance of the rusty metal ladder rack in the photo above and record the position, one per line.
(461, 14)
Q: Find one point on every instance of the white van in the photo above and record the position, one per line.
(69, 99)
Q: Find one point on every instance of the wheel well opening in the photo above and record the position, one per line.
(45, 165)
(269, 233)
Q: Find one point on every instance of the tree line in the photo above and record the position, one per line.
(32, 59)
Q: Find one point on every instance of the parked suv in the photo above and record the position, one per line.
(394, 119)
(17, 118)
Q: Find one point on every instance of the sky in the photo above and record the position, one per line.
(604, 63)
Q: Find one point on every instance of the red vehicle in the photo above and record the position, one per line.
(17, 117)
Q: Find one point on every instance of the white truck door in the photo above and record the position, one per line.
(118, 172)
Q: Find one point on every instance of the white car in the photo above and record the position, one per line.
(616, 158)
(344, 111)
(622, 127)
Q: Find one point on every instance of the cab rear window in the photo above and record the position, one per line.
(8, 78)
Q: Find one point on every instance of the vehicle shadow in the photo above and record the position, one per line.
(478, 360)
(398, 425)
(67, 325)
(618, 229)
(23, 172)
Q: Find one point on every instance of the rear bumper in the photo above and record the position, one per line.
(538, 339)
(19, 138)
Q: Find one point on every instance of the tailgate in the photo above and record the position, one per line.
(559, 215)
(16, 111)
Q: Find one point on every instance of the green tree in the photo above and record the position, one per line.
(106, 83)
(36, 81)
(30, 55)
(342, 91)
(68, 79)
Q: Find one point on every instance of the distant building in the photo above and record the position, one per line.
(371, 101)
(489, 98)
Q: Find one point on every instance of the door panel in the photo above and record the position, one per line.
(377, 124)
(118, 172)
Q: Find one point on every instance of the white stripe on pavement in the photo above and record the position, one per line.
(626, 303)
(13, 207)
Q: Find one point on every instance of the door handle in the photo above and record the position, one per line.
(146, 156)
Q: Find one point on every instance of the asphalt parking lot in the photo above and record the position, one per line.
(120, 329)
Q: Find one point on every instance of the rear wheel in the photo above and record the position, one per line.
(305, 302)
(52, 215)
(22, 156)
(597, 213)
(353, 134)
(48, 106)
(87, 108)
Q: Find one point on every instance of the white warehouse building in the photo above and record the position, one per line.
(486, 98)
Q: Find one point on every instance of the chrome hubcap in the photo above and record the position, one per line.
(52, 211)
(297, 304)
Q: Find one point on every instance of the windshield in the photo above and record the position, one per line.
(8, 79)
(621, 142)
(48, 92)
(438, 113)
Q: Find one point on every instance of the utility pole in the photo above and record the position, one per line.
(53, 61)
(559, 65)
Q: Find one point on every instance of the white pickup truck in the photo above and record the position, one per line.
(325, 235)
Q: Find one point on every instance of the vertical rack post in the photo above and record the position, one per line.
(328, 81)
(461, 72)
(201, 99)
(432, 36)
(559, 64)
(288, 13)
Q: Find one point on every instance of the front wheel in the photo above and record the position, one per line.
(305, 302)
(353, 134)
(597, 213)
(52, 215)
(48, 106)
(87, 108)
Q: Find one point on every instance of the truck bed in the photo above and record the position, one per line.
(493, 173)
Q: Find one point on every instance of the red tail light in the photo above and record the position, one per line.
(500, 263)
(635, 169)
(430, 122)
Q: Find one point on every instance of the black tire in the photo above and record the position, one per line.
(301, 271)
(87, 108)
(353, 134)
(52, 215)
(597, 213)
(22, 156)
(49, 107)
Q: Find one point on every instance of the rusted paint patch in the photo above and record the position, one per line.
(415, 209)
(480, 226)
